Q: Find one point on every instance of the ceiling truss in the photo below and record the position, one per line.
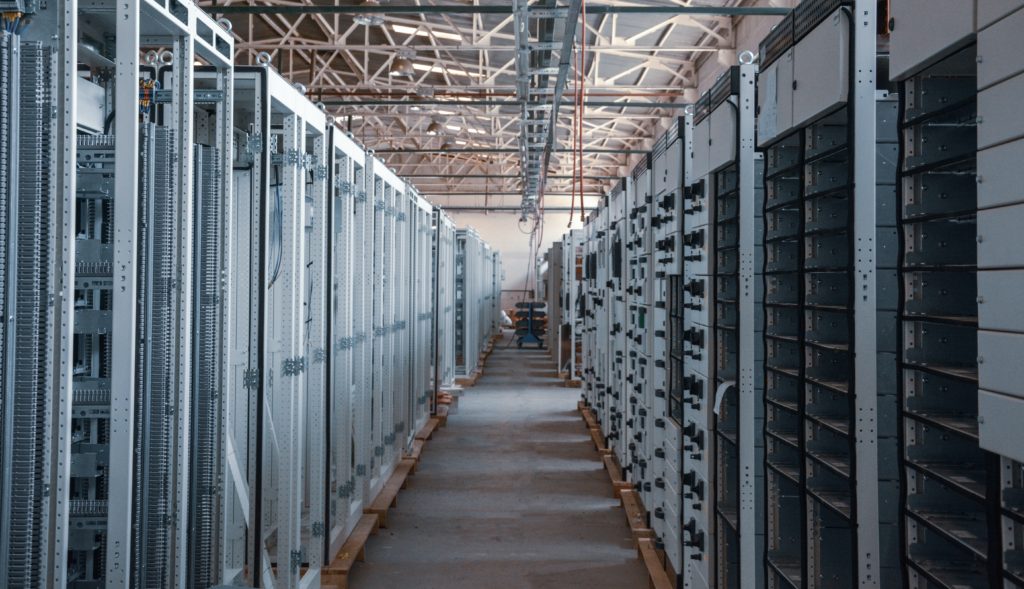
(498, 78)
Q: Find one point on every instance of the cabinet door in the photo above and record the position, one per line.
(723, 136)
(989, 11)
(999, 49)
(775, 99)
(925, 31)
(701, 148)
(821, 69)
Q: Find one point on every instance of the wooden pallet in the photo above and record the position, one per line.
(588, 416)
(619, 483)
(598, 438)
(414, 453)
(636, 517)
(468, 381)
(427, 431)
(352, 551)
(655, 568)
(388, 496)
(658, 568)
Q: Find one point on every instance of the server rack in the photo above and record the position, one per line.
(553, 295)
(570, 347)
(213, 245)
(669, 171)
(616, 390)
(117, 485)
(344, 482)
(726, 180)
(468, 264)
(958, 399)
(280, 175)
(387, 196)
(36, 266)
(418, 398)
(594, 314)
(639, 335)
(693, 343)
(830, 301)
(477, 297)
(1001, 270)
(444, 302)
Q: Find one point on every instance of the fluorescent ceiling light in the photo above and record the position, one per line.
(445, 112)
(440, 70)
(402, 29)
(454, 127)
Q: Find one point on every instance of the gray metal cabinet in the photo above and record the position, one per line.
(821, 69)
(927, 30)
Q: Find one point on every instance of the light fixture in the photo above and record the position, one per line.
(404, 30)
(447, 144)
(371, 19)
(434, 128)
(401, 67)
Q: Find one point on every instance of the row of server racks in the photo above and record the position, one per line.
(477, 299)
(560, 273)
(800, 336)
(223, 320)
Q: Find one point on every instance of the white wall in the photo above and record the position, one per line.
(501, 230)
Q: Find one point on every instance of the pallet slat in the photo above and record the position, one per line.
(352, 551)
(388, 496)
(659, 578)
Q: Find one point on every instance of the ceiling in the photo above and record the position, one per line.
(471, 125)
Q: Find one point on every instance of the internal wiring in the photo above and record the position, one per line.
(277, 229)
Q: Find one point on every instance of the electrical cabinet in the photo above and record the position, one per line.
(443, 318)
(477, 294)
(553, 285)
(570, 339)
(219, 308)
(831, 484)
(668, 171)
(732, 291)
(839, 310)
(960, 461)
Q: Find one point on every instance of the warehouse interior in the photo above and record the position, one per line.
(681, 294)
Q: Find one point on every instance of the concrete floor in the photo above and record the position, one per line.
(511, 494)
